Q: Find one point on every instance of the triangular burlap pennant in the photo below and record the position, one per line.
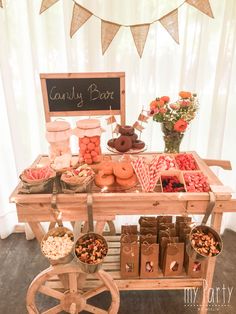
(143, 118)
(46, 4)
(108, 32)
(202, 5)
(79, 17)
(110, 120)
(170, 22)
(140, 33)
(138, 126)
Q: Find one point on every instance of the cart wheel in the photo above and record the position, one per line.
(72, 300)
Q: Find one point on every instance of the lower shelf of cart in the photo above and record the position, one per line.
(112, 266)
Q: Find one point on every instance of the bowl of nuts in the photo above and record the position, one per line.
(57, 245)
(204, 242)
(90, 251)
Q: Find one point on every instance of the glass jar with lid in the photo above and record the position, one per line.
(89, 133)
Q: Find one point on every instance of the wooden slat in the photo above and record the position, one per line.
(225, 164)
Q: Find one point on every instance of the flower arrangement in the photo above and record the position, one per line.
(175, 117)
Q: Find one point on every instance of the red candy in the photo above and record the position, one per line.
(186, 162)
(196, 182)
(172, 184)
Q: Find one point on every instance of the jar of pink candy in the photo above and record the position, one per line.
(58, 135)
(89, 133)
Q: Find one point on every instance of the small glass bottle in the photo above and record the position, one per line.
(89, 132)
(58, 135)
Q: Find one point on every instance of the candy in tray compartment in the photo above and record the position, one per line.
(172, 181)
(196, 181)
(186, 162)
(166, 162)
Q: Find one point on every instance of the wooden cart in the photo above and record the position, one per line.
(35, 209)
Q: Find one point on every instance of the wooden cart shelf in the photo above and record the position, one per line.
(35, 209)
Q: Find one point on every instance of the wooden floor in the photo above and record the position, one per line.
(21, 261)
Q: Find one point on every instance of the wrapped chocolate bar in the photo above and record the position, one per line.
(149, 260)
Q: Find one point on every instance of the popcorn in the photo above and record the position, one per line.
(57, 247)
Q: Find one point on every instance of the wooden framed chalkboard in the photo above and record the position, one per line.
(83, 94)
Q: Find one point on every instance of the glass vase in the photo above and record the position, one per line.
(172, 139)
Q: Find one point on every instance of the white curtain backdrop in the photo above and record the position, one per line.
(204, 62)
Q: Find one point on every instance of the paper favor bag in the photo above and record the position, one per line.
(149, 260)
(148, 230)
(129, 229)
(195, 269)
(129, 260)
(148, 221)
(173, 259)
(163, 245)
(164, 219)
(149, 238)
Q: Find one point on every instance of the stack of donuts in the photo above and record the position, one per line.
(111, 172)
(127, 140)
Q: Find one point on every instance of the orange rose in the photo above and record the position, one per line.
(165, 99)
(162, 110)
(185, 103)
(180, 125)
(153, 104)
(184, 94)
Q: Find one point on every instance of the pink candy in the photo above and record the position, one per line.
(196, 182)
(166, 162)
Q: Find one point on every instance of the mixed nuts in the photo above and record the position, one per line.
(205, 243)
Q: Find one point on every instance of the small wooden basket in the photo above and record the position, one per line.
(55, 232)
(77, 188)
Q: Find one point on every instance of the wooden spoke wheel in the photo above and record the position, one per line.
(71, 298)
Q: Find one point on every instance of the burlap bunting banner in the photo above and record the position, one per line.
(108, 32)
(111, 120)
(143, 118)
(46, 4)
(202, 5)
(79, 17)
(138, 126)
(139, 33)
(170, 23)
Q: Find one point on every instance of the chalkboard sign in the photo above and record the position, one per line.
(87, 94)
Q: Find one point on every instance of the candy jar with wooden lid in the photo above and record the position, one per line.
(58, 135)
(89, 132)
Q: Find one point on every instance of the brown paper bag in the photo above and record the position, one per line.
(166, 233)
(129, 260)
(148, 230)
(164, 219)
(148, 221)
(173, 259)
(163, 245)
(129, 229)
(193, 268)
(149, 260)
(180, 221)
(149, 238)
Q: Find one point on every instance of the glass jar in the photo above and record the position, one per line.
(58, 135)
(89, 132)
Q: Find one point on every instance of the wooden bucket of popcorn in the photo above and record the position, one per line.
(57, 245)
(90, 251)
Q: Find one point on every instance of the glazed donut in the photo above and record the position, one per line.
(106, 167)
(123, 170)
(102, 180)
(128, 183)
(126, 130)
(123, 143)
(138, 144)
(111, 142)
(134, 137)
